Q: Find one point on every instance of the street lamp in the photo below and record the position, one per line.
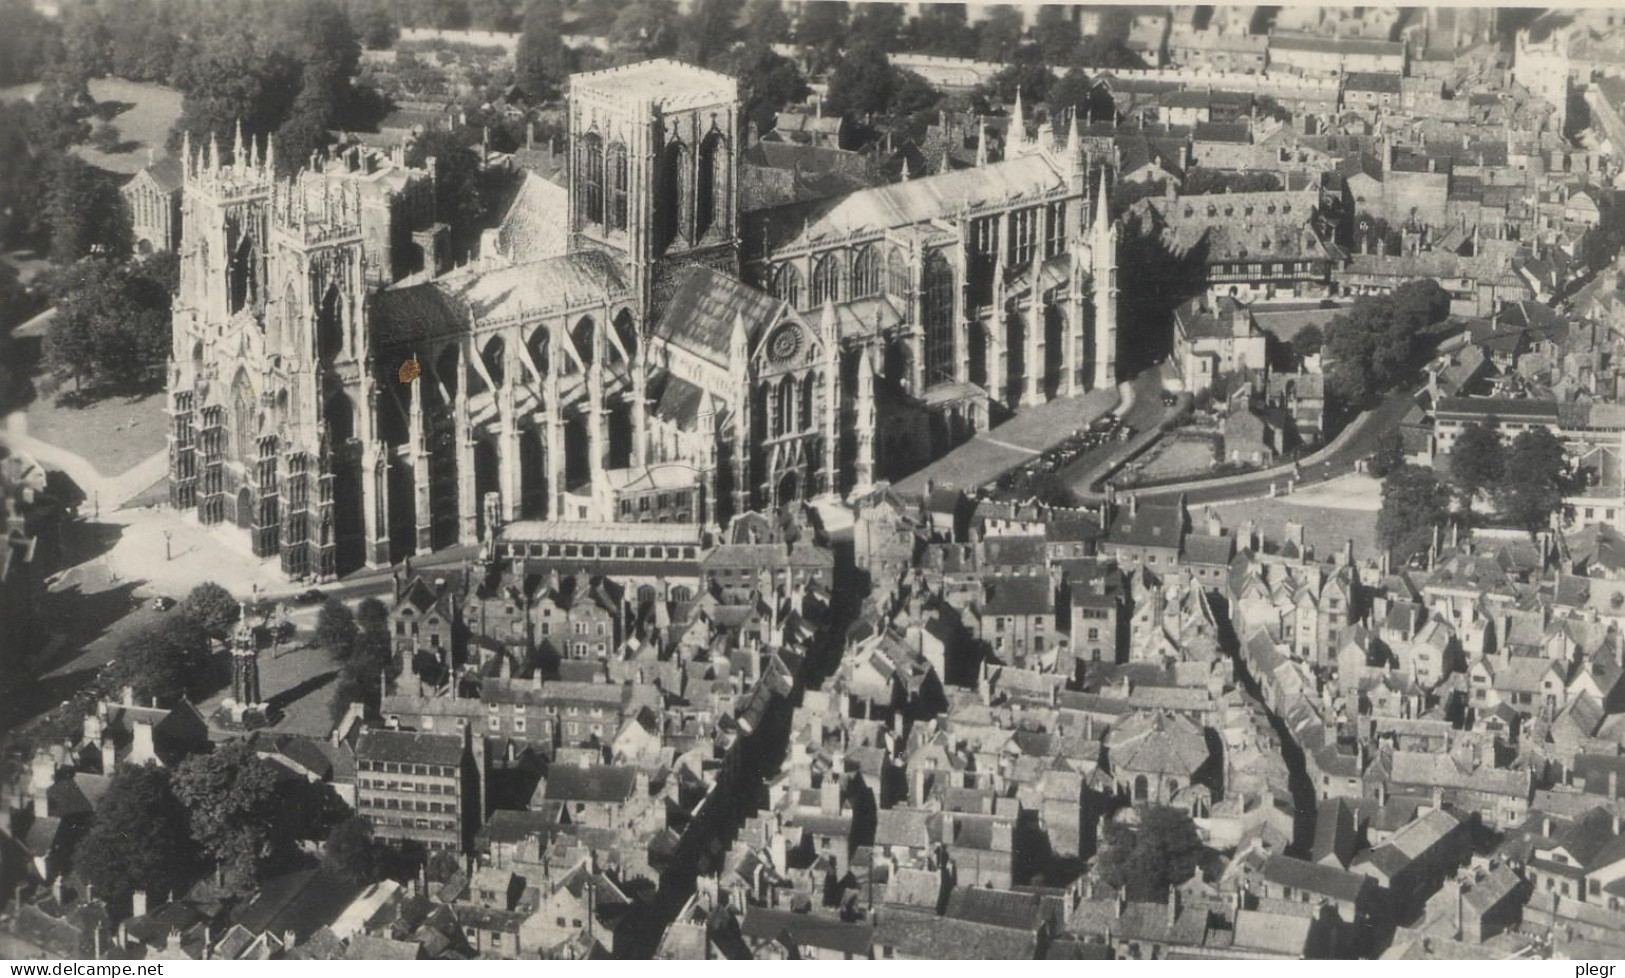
(167, 556)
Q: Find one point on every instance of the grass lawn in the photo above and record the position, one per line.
(113, 434)
(1325, 528)
(1181, 454)
(145, 125)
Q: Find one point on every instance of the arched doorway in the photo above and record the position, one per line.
(245, 508)
(789, 488)
(1142, 788)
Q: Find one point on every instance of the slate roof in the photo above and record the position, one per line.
(598, 783)
(403, 747)
(704, 305)
(448, 305)
(1338, 884)
(911, 202)
(916, 934)
(820, 930)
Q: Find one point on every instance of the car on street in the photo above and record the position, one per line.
(162, 603)
(312, 596)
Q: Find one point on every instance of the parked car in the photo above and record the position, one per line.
(161, 603)
(312, 596)
(1169, 398)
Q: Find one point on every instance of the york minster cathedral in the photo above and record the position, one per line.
(347, 396)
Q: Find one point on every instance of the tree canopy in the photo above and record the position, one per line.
(335, 627)
(112, 321)
(166, 660)
(1476, 462)
(139, 838)
(1535, 479)
(213, 608)
(1414, 503)
(1163, 850)
(235, 808)
(1371, 347)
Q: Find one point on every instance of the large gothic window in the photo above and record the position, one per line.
(675, 206)
(866, 272)
(330, 324)
(784, 414)
(938, 302)
(590, 178)
(243, 417)
(615, 161)
(242, 278)
(787, 285)
(808, 388)
(826, 279)
(896, 271)
(1023, 236)
(711, 199)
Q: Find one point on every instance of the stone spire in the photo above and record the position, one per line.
(214, 152)
(188, 164)
(237, 146)
(270, 153)
(1016, 140)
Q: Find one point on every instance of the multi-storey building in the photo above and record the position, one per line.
(415, 787)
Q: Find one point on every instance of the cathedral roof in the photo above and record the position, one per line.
(448, 305)
(912, 201)
(704, 305)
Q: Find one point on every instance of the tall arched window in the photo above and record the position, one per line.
(330, 324)
(938, 313)
(809, 387)
(615, 160)
(675, 207)
(896, 271)
(784, 415)
(590, 178)
(711, 197)
(866, 272)
(826, 279)
(787, 285)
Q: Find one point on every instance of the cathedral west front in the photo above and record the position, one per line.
(346, 396)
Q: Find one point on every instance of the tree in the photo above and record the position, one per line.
(541, 61)
(138, 839)
(767, 82)
(164, 661)
(1414, 502)
(112, 321)
(213, 608)
(709, 30)
(645, 29)
(1070, 93)
(1205, 181)
(458, 179)
(372, 615)
(1145, 860)
(999, 33)
(85, 213)
(372, 658)
(862, 83)
(820, 31)
(943, 29)
(1030, 78)
(766, 22)
(1476, 462)
(350, 853)
(376, 25)
(28, 42)
(1307, 341)
(1534, 483)
(107, 137)
(1106, 48)
(236, 812)
(880, 24)
(1389, 453)
(1057, 34)
(336, 628)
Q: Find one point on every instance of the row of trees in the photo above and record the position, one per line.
(1526, 480)
(230, 813)
(1374, 345)
(361, 643)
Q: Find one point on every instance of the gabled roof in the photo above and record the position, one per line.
(704, 307)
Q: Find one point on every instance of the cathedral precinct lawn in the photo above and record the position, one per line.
(1325, 527)
(144, 125)
(113, 434)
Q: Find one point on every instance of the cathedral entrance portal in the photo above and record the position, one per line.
(245, 509)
